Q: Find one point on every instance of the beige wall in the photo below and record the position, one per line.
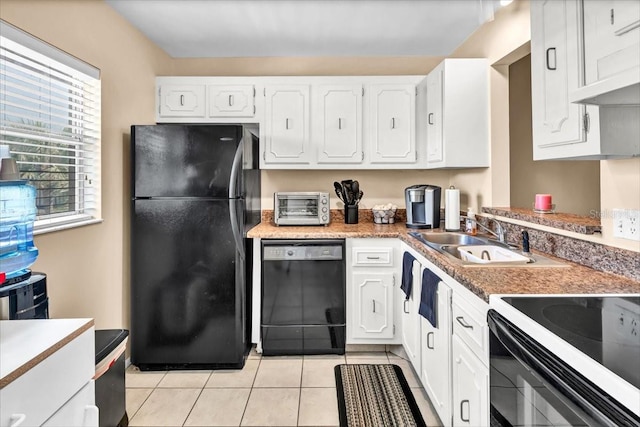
(574, 185)
(87, 267)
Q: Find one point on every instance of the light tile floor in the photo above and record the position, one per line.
(268, 391)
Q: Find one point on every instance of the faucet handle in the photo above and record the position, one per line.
(525, 241)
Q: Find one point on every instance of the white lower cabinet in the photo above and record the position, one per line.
(436, 356)
(58, 391)
(470, 387)
(410, 319)
(371, 280)
(454, 354)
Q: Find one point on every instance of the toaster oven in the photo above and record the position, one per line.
(301, 208)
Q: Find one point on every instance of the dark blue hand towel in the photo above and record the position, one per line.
(429, 296)
(407, 273)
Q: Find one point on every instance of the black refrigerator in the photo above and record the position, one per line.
(195, 194)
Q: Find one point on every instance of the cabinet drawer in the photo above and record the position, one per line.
(79, 411)
(470, 325)
(371, 257)
(49, 384)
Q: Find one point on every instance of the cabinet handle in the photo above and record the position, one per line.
(586, 122)
(430, 335)
(464, 324)
(393, 122)
(612, 17)
(430, 117)
(554, 59)
(16, 419)
(230, 100)
(404, 306)
(340, 124)
(466, 420)
(373, 257)
(374, 305)
(286, 124)
(182, 100)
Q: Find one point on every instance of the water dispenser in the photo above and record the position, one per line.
(17, 215)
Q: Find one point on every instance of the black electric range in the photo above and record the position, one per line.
(596, 336)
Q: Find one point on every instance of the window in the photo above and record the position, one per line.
(50, 119)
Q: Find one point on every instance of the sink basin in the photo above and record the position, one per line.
(486, 254)
(452, 239)
(467, 251)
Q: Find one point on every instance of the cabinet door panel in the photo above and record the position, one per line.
(436, 356)
(231, 101)
(287, 124)
(373, 299)
(434, 116)
(612, 38)
(182, 101)
(411, 319)
(392, 124)
(340, 127)
(470, 387)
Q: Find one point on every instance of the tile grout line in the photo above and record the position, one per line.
(300, 392)
(246, 404)
(196, 401)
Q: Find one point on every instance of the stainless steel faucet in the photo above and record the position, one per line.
(501, 234)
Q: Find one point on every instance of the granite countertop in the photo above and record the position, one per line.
(563, 221)
(482, 281)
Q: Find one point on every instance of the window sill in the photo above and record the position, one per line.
(52, 225)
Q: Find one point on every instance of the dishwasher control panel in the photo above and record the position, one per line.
(306, 252)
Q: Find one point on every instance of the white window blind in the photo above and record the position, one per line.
(50, 118)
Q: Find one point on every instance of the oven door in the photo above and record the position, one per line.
(529, 386)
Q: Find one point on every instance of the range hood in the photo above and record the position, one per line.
(621, 89)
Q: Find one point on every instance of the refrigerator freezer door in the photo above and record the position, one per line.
(184, 161)
(188, 288)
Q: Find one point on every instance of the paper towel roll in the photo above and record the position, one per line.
(452, 209)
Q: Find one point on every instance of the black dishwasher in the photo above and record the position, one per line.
(303, 297)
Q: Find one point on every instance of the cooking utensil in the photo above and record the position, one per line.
(355, 189)
(359, 197)
(339, 191)
(346, 191)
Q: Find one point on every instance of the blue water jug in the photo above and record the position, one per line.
(17, 214)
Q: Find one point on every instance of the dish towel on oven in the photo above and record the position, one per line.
(429, 296)
(407, 273)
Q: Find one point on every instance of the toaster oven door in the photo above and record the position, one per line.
(301, 210)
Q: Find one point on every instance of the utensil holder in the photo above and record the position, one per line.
(351, 214)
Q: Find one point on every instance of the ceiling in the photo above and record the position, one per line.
(258, 28)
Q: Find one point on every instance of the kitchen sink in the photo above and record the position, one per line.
(450, 243)
(439, 239)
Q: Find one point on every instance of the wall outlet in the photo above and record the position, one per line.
(618, 222)
(626, 224)
(632, 225)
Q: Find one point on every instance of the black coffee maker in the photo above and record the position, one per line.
(423, 206)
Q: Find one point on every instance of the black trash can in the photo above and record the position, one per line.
(109, 379)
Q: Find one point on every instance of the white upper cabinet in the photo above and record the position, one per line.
(231, 101)
(457, 116)
(562, 129)
(392, 124)
(287, 124)
(181, 101)
(306, 122)
(338, 116)
(611, 53)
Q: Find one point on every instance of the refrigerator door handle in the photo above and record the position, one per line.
(235, 228)
(235, 170)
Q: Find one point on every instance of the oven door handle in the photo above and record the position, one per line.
(502, 331)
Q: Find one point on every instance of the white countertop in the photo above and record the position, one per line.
(25, 343)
